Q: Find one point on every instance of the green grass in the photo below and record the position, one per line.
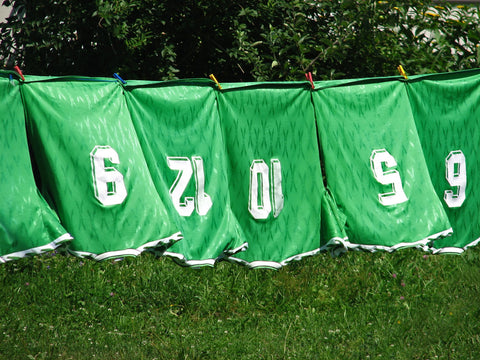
(405, 305)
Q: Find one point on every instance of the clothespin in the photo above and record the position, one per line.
(402, 72)
(10, 77)
(310, 78)
(216, 81)
(116, 76)
(17, 69)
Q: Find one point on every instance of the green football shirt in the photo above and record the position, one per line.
(375, 167)
(28, 226)
(178, 127)
(445, 108)
(275, 179)
(93, 168)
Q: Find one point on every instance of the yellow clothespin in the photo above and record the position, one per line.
(216, 81)
(401, 71)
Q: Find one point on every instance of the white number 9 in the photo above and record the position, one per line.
(107, 181)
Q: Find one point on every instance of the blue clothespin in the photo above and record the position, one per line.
(11, 80)
(116, 76)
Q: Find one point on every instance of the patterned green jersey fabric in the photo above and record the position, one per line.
(93, 169)
(27, 224)
(375, 166)
(179, 129)
(445, 107)
(275, 179)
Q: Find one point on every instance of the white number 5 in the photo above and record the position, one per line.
(387, 177)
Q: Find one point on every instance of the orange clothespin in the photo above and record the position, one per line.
(401, 71)
(310, 78)
(17, 69)
(216, 81)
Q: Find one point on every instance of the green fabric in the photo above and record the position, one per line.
(447, 115)
(126, 168)
(275, 179)
(93, 169)
(179, 130)
(369, 141)
(28, 225)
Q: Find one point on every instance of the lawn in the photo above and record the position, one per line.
(403, 305)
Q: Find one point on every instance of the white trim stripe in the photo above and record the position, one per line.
(128, 252)
(422, 244)
(454, 250)
(37, 250)
(181, 260)
(334, 245)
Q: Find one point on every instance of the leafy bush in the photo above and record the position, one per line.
(238, 41)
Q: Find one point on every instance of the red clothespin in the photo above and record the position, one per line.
(310, 78)
(17, 69)
(216, 81)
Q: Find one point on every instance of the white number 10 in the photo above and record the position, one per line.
(263, 188)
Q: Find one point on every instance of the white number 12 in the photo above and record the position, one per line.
(202, 201)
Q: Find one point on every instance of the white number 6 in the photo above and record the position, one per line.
(456, 175)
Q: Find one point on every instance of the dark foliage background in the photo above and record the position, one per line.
(244, 40)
